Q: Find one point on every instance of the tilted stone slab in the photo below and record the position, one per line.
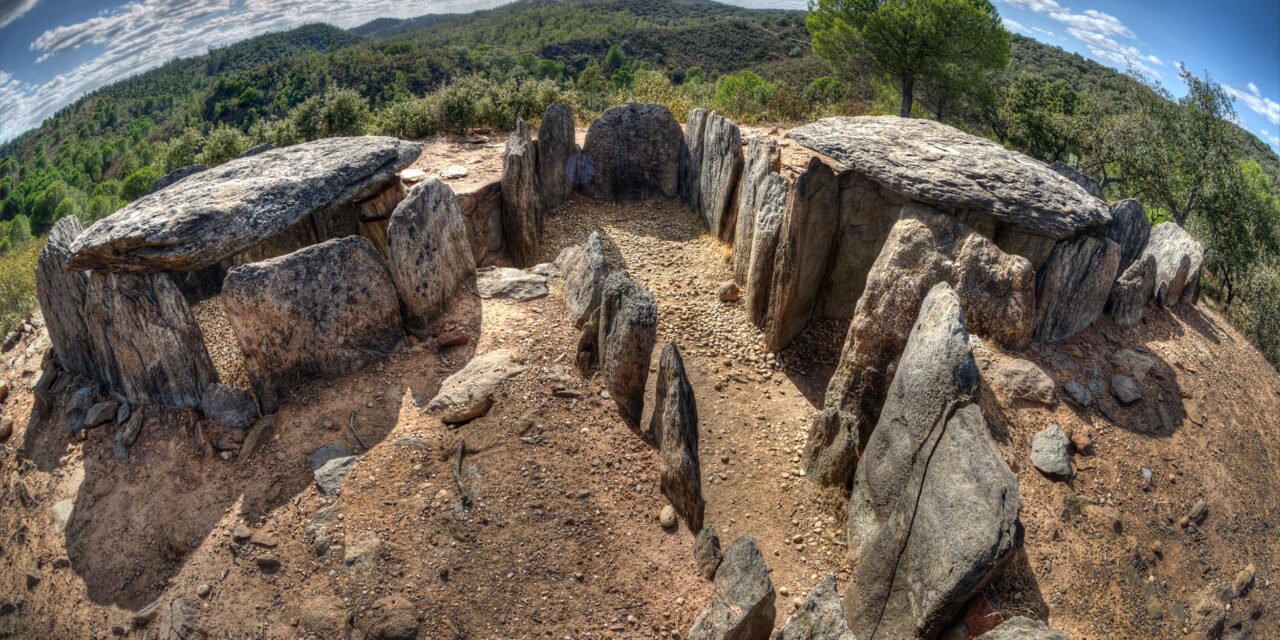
(522, 212)
(218, 213)
(584, 271)
(762, 158)
(690, 166)
(1073, 285)
(320, 312)
(1179, 258)
(428, 253)
(674, 426)
(937, 164)
(718, 180)
(62, 299)
(632, 154)
(1132, 293)
(627, 329)
(764, 246)
(557, 155)
(805, 240)
(1130, 228)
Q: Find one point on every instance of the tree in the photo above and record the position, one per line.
(910, 41)
(224, 144)
(614, 58)
(1040, 116)
(743, 94)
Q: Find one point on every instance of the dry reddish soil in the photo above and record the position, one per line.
(562, 539)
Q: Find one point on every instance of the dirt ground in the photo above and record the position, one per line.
(563, 538)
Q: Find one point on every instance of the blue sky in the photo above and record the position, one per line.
(54, 51)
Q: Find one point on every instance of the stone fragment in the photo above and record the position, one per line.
(228, 405)
(362, 551)
(557, 155)
(584, 274)
(743, 605)
(831, 450)
(100, 413)
(1078, 392)
(632, 154)
(476, 383)
(216, 214)
(330, 473)
(762, 158)
(1020, 628)
(628, 328)
(1050, 452)
(514, 284)
(718, 179)
(322, 311)
(1129, 229)
(413, 176)
(1178, 260)
(522, 208)
(934, 163)
(1018, 379)
(706, 551)
(729, 292)
(674, 427)
(667, 517)
(820, 617)
(1125, 389)
(325, 617)
(428, 254)
(393, 618)
(1133, 364)
(1073, 285)
(1132, 292)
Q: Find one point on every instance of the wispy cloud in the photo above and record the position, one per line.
(1273, 139)
(1253, 98)
(1014, 25)
(11, 10)
(1099, 32)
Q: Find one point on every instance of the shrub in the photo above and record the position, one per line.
(826, 90)
(410, 119)
(18, 284)
(345, 113)
(224, 144)
(139, 183)
(181, 151)
(743, 94)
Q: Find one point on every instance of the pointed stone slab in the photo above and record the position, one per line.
(218, 213)
(428, 253)
(936, 164)
(674, 426)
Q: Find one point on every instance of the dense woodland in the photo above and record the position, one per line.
(450, 73)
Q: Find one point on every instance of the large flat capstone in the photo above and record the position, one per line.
(220, 212)
(936, 164)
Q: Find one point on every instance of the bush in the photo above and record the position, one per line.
(743, 95)
(826, 90)
(345, 113)
(223, 145)
(409, 119)
(181, 151)
(139, 183)
(18, 284)
(1258, 313)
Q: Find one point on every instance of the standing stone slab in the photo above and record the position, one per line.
(62, 300)
(1090, 185)
(428, 253)
(1130, 228)
(323, 311)
(1178, 260)
(743, 605)
(632, 154)
(718, 180)
(819, 617)
(804, 247)
(216, 214)
(1132, 293)
(584, 271)
(690, 168)
(764, 246)
(1020, 628)
(557, 155)
(628, 328)
(762, 159)
(1073, 286)
(521, 198)
(674, 426)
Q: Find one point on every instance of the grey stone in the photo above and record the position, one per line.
(1050, 452)
(257, 149)
(123, 412)
(1132, 292)
(557, 155)
(1133, 364)
(584, 274)
(831, 449)
(177, 620)
(933, 163)
(925, 532)
(322, 311)
(1018, 379)
(1125, 389)
(1179, 258)
(1073, 285)
(1020, 628)
(362, 551)
(330, 475)
(476, 383)
(481, 208)
(743, 605)
(326, 453)
(228, 405)
(100, 413)
(1079, 393)
(62, 511)
(764, 246)
(689, 168)
(514, 284)
(216, 214)
(1090, 185)
(762, 159)
(632, 154)
(820, 617)
(173, 177)
(718, 179)
(522, 199)
(802, 254)
(1129, 228)
(428, 254)
(674, 426)
(628, 328)
(706, 551)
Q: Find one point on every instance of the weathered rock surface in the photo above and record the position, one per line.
(557, 155)
(584, 274)
(628, 328)
(322, 311)
(762, 159)
(706, 551)
(505, 282)
(632, 154)
(330, 474)
(1125, 389)
(62, 299)
(924, 248)
(1090, 185)
(476, 382)
(228, 405)
(743, 605)
(718, 179)
(428, 253)
(802, 253)
(933, 163)
(764, 246)
(1019, 379)
(1133, 364)
(174, 176)
(1020, 628)
(522, 203)
(1051, 453)
(100, 413)
(1073, 286)
(674, 427)
(218, 213)
(1132, 292)
(927, 531)
(1130, 228)
(1178, 260)
(820, 616)
(831, 449)
(481, 209)
(689, 169)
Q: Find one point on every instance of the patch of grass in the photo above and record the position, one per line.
(18, 284)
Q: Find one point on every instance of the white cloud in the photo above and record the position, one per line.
(1014, 25)
(1120, 54)
(1038, 6)
(1266, 135)
(11, 10)
(1098, 31)
(1253, 98)
(1095, 21)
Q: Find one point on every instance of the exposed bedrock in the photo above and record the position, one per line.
(923, 249)
(323, 311)
(1132, 293)
(933, 512)
(718, 179)
(133, 333)
(216, 214)
(628, 326)
(762, 158)
(805, 238)
(1073, 285)
(584, 271)
(557, 155)
(1179, 258)
(774, 195)
(674, 427)
(428, 254)
(632, 154)
(522, 198)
